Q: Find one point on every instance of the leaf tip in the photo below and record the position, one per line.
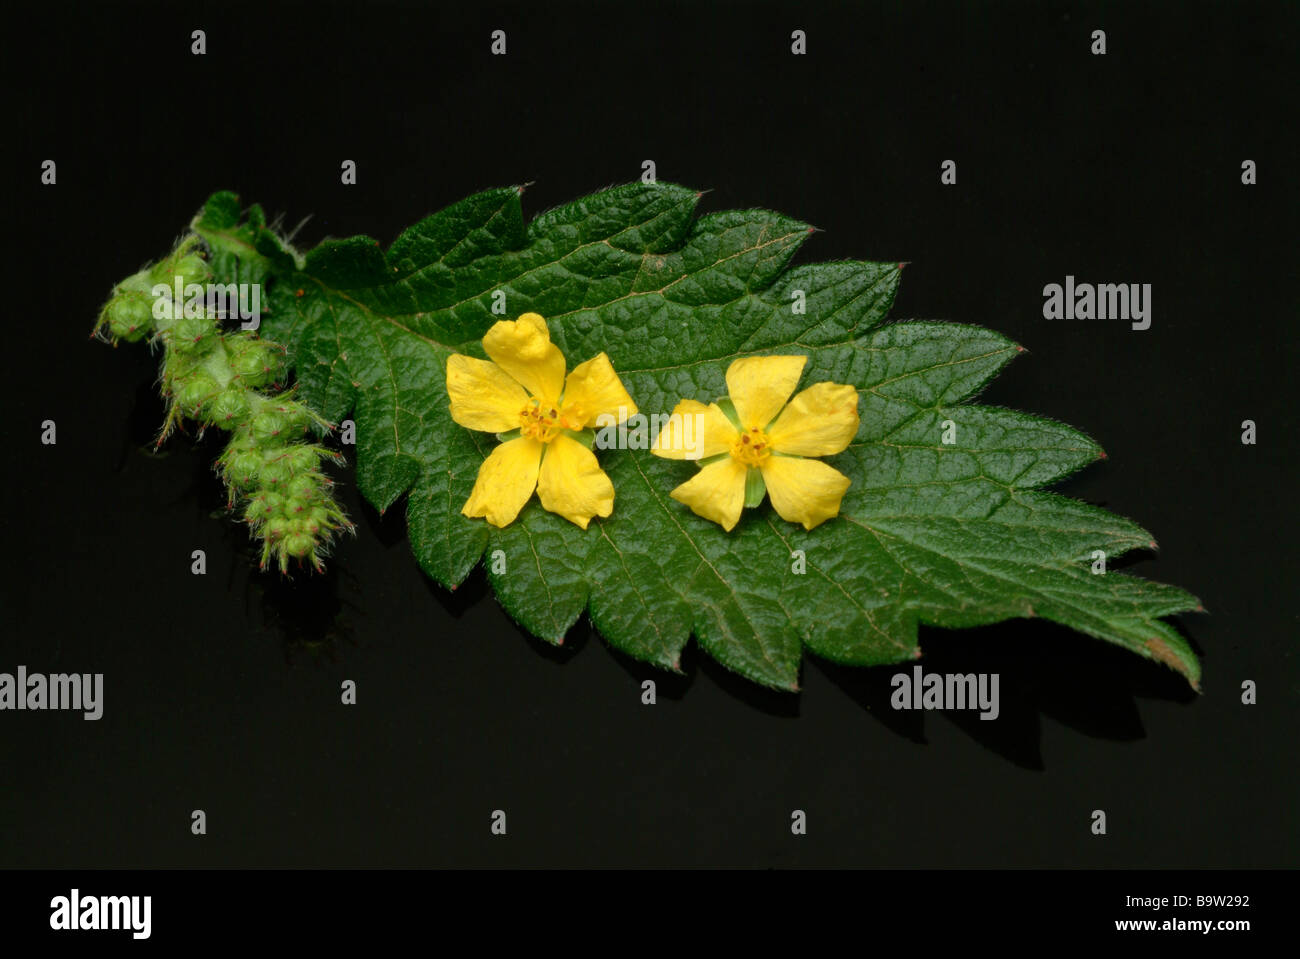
(903, 263)
(1161, 651)
(1102, 455)
(1153, 545)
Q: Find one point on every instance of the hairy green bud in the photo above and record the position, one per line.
(195, 392)
(303, 489)
(191, 268)
(228, 406)
(241, 468)
(297, 417)
(275, 474)
(303, 459)
(130, 317)
(299, 545)
(263, 507)
(269, 425)
(277, 527)
(257, 363)
(192, 334)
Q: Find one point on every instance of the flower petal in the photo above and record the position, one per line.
(693, 432)
(505, 481)
(592, 389)
(804, 491)
(760, 385)
(716, 492)
(820, 421)
(572, 483)
(483, 396)
(523, 348)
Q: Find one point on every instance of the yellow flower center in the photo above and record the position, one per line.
(752, 447)
(545, 421)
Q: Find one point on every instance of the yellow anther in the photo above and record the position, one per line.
(751, 447)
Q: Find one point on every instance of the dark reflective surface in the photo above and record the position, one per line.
(223, 691)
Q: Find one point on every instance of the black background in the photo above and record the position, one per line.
(222, 691)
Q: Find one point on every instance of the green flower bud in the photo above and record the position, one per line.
(129, 317)
(302, 459)
(241, 468)
(257, 364)
(192, 334)
(296, 418)
(270, 425)
(191, 269)
(263, 507)
(303, 489)
(298, 544)
(277, 527)
(229, 405)
(194, 392)
(275, 474)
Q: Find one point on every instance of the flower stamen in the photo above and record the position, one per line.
(752, 447)
(540, 424)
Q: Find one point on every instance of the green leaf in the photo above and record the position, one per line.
(951, 534)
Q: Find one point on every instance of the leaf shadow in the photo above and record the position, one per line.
(574, 641)
(1044, 669)
(773, 702)
(675, 686)
(672, 685)
(389, 529)
(459, 601)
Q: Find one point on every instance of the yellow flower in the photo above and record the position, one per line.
(524, 391)
(756, 440)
